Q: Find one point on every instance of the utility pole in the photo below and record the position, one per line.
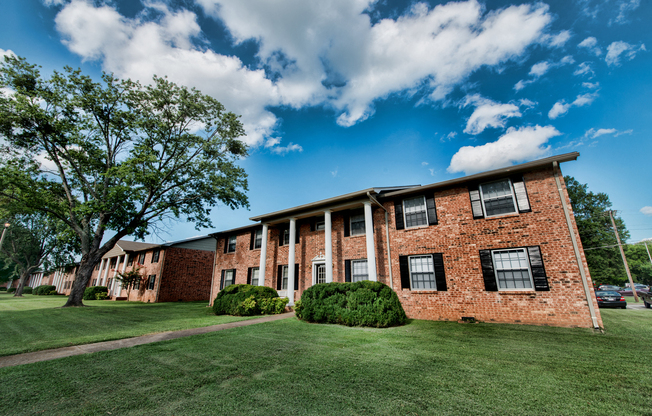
(622, 253)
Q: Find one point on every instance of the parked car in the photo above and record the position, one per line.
(610, 287)
(628, 291)
(610, 299)
(647, 298)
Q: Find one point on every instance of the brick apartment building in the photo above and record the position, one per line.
(498, 246)
(177, 271)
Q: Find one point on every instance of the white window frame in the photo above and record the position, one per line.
(511, 188)
(315, 269)
(425, 208)
(353, 275)
(286, 237)
(284, 277)
(362, 231)
(257, 271)
(529, 270)
(434, 275)
(226, 278)
(258, 239)
(320, 226)
(228, 244)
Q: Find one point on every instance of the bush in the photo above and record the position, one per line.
(91, 292)
(27, 290)
(248, 300)
(3, 289)
(11, 290)
(44, 290)
(101, 295)
(354, 304)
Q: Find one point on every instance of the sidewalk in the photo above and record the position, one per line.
(45, 355)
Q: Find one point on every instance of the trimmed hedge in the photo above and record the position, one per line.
(248, 300)
(11, 290)
(91, 292)
(27, 290)
(3, 289)
(44, 290)
(354, 304)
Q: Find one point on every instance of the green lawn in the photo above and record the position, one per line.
(291, 367)
(34, 323)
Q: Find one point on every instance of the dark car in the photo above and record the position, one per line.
(628, 291)
(610, 287)
(610, 299)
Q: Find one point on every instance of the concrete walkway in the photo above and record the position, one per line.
(34, 357)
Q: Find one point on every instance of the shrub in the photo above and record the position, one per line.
(90, 292)
(52, 292)
(101, 295)
(3, 289)
(44, 290)
(27, 290)
(248, 300)
(11, 290)
(354, 304)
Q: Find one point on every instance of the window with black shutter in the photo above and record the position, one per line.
(500, 197)
(514, 269)
(423, 272)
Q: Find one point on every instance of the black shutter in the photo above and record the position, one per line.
(432, 211)
(226, 244)
(488, 271)
(297, 234)
(440, 273)
(405, 272)
(313, 224)
(347, 270)
(280, 236)
(222, 281)
(279, 278)
(251, 240)
(234, 276)
(538, 272)
(398, 215)
(249, 276)
(296, 277)
(347, 225)
(476, 203)
(522, 200)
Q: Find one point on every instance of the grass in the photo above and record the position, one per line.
(294, 368)
(34, 323)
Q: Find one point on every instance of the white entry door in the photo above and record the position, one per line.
(319, 273)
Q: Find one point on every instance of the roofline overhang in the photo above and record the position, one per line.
(566, 157)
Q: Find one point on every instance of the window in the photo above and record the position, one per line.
(286, 237)
(130, 262)
(422, 273)
(359, 270)
(155, 256)
(357, 224)
(497, 198)
(284, 278)
(141, 258)
(231, 243)
(109, 282)
(512, 269)
(228, 278)
(136, 285)
(254, 272)
(94, 282)
(415, 212)
(97, 266)
(151, 280)
(320, 273)
(258, 239)
(112, 263)
(320, 226)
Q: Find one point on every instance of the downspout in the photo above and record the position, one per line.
(389, 257)
(578, 257)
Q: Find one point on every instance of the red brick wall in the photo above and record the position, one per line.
(186, 275)
(459, 237)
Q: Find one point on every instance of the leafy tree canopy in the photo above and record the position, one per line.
(114, 155)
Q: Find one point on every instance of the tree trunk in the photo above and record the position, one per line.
(21, 283)
(82, 277)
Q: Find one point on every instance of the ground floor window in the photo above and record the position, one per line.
(359, 270)
(284, 281)
(422, 273)
(255, 272)
(512, 269)
(320, 273)
(151, 280)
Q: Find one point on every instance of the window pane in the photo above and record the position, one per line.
(232, 243)
(359, 270)
(284, 283)
(357, 224)
(512, 269)
(254, 276)
(498, 198)
(321, 273)
(228, 278)
(258, 239)
(320, 226)
(422, 272)
(286, 237)
(415, 212)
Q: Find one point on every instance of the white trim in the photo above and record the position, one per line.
(529, 270)
(328, 242)
(316, 262)
(263, 257)
(425, 209)
(371, 244)
(291, 261)
(511, 188)
(434, 274)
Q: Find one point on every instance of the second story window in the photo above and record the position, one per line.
(415, 212)
(258, 239)
(141, 258)
(357, 223)
(231, 243)
(497, 198)
(155, 256)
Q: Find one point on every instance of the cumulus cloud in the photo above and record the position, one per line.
(646, 210)
(340, 58)
(591, 44)
(560, 39)
(624, 7)
(541, 68)
(561, 107)
(584, 68)
(516, 145)
(287, 149)
(595, 133)
(616, 49)
(487, 113)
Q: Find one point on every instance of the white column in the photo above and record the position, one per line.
(99, 273)
(126, 259)
(118, 286)
(263, 257)
(291, 277)
(369, 235)
(329, 245)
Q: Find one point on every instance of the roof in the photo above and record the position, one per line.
(124, 246)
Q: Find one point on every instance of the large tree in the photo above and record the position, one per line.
(596, 233)
(115, 155)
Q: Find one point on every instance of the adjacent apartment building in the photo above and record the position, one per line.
(498, 246)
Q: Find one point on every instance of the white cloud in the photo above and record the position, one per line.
(527, 103)
(289, 148)
(522, 84)
(624, 7)
(539, 69)
(616, 49)
(591, 44)
(432, 172)
(7, 52)
(450, 136)
(334, 172)
(487, 113)
(339, 58)
(593, 133)
(272, 141)
(516, 145)
(584, 68)
(561, 107)
(424, 163)
(560, 39)
(591, 85)
(646, 210)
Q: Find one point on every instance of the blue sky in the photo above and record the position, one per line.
(338, 96)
